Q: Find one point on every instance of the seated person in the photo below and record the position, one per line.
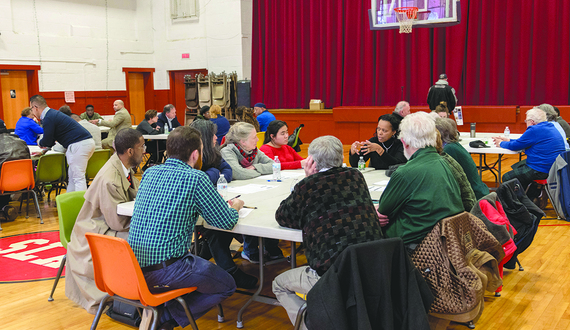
(441, 110)
(541, 143)
(27, 129)
(263, 116)
(204, 113)
(221, 121)
(344, 204)
(121, 120)
(148, 127)
(170, 199)
(114, 184)
(423, 191)
(563, 123)
(275, 144)
(240, 151)
(402, 110)
(11, 148)
(167, 119)
(90, 113)
(245, 114)
(65, 109)
(91, 128)
(467, 194)
(383, 149)
(219, 242)
(551, 116)
(452, 147)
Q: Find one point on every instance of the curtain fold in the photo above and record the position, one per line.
(507, 52)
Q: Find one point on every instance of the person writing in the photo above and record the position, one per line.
(275, 144)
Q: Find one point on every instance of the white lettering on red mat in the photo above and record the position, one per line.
(15, 251)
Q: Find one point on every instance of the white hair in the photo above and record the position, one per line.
(327, 152)
(551, 114)
(536, 114)
(433, 115)
(400, 106)
(418, 130)
(239, 132)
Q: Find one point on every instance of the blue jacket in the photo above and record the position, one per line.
(214, 173)
(163, 121)
(28, 130)
(264, 119)
(223, 127)
(61, 128)
(542, 144)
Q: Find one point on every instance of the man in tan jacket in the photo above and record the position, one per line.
(114, 184)
(121, 120)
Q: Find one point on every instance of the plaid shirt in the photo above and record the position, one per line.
(169, 200)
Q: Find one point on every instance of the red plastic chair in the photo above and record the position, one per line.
(18, 176)
(118, 273)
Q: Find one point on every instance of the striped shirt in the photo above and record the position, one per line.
(169, 200)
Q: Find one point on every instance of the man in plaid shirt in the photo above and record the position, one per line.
(170, 199)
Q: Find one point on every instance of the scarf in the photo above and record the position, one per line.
(247, 159)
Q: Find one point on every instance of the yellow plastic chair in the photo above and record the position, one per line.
(261, 137)
(50, 173)
(97, 160)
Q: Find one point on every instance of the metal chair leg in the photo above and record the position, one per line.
(521, 269)
(300, 316)
(27, 204)
(38, 207)
(188, 313)
(220, 314)
(107, 300)
(57, 277)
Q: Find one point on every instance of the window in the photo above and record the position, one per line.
(183, 9)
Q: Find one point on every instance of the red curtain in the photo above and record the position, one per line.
(508, 52)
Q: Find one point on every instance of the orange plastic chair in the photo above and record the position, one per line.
(118, 273)
(18, 176)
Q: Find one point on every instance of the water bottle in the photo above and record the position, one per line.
(361, 164)
(276, 169)
(223, 186)
(165, 129)
(507, 132)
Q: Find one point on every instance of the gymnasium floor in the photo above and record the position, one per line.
(537, 298)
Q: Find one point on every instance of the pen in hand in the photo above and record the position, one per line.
(250, 207)
(238, 196)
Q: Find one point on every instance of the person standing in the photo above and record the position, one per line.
(77, 141)
(441, 91)
(264, 117)
(122, 119)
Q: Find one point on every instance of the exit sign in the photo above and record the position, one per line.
(186, 55)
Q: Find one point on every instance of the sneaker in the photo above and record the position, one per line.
(244, 280)
(254, 258)
(10, 212)
(274, 253)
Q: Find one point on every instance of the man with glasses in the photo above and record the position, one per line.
(541, 142)
(114, 184)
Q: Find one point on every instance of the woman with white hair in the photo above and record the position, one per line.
(541, 143)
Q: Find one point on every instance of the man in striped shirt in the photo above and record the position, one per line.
(170, 199)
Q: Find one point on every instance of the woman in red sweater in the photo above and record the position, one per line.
(275, 144)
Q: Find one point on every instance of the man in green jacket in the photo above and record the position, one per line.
(423, 191)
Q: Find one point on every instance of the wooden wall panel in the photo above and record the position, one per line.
(12, 107)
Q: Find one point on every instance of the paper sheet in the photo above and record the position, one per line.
(250, 188)
(376, 188)
(244, 212)
(381, 183)
(285, 175)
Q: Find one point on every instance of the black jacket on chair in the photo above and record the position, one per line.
(371, 285)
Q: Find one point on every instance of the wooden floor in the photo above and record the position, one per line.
(537, 298)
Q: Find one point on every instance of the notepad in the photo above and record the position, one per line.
(285, 175)
(251, 188)
(244, 212)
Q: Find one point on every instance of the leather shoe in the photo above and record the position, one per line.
(244, 280)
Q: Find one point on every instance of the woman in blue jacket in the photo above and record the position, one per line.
(27, 129)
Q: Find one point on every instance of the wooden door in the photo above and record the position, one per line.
(136, 96)
(14, 102)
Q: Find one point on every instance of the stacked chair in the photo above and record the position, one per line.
(206, 90)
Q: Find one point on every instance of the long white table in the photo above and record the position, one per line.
(261, 221)
(483, 152)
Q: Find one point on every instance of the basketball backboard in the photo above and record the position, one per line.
(431, 13)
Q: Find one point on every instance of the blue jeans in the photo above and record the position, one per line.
(251, 244)
(214, 285)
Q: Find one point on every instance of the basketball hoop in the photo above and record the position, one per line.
(406, 17)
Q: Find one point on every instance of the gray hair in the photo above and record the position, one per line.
(239, 132)
(537, 115)
(551, 114)
(400, 106)
(418, 130)
(446, 129)
(327, 152)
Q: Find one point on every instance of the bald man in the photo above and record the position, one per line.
(121, 120)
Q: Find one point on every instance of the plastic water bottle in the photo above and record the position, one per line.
(276, 169)
(165, 129)
(507, 132)
(223, 186)
(361, 164)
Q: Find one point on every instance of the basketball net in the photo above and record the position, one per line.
(406, 17)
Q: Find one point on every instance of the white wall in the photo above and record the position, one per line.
(73, 40)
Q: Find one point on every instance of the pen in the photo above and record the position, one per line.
(250, 207)
(233, 198)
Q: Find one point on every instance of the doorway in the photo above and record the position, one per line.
(17, 83)
(178, 90)
(140, 92)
